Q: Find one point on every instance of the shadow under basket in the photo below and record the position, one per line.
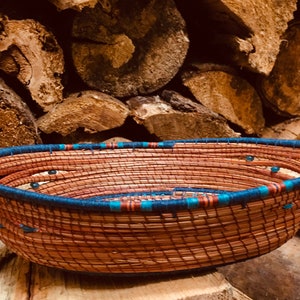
(143, 207)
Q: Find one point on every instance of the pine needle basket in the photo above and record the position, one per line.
(143, 207)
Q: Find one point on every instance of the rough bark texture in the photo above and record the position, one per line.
(178, 119)
(31, 53)
(282, 88)
(257, 29)
(129, 47)
(17, 124)
(91, 110)
(220, 89)
(74, 4)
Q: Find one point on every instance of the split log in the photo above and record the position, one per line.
(126, 52)
(281, 89)
(179, 119)
(248, 31)
(289, 129)
(91, 110)
(266, 22)
(223, 91)
(17, 124)
(117, 139)
(74, 4)
(31, 53)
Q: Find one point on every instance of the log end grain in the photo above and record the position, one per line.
(226, 93)
(92, 110)
(126, 52)
(168, 122)
(268, 20)
(31, 53)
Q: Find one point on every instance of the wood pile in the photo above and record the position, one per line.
(104, 70)
(88, 70)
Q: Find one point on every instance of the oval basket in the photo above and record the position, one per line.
(141, 207)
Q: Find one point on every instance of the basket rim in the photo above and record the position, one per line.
(102, 203)
(144, 144)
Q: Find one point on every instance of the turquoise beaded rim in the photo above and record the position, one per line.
(216, 198)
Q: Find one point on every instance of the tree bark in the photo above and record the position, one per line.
(31, 53)
(17, 124)
(91, 110)
(126, 52)
(173, 116)
(222, 90)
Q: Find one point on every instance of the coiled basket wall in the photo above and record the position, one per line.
(140, 207)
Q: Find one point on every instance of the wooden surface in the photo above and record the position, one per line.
(247, 31)
(274, 276)
(21, 280)
(17, 125)
(271, 276)
(91, 110)
(172, 116)
(225, 92)
(31, 54)
(125, 52)
(281, 89)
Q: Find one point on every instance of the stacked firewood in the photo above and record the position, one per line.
(88, 70)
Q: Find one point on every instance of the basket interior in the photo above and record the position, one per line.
(186, 168)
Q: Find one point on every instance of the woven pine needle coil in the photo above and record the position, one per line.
(128, 208)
